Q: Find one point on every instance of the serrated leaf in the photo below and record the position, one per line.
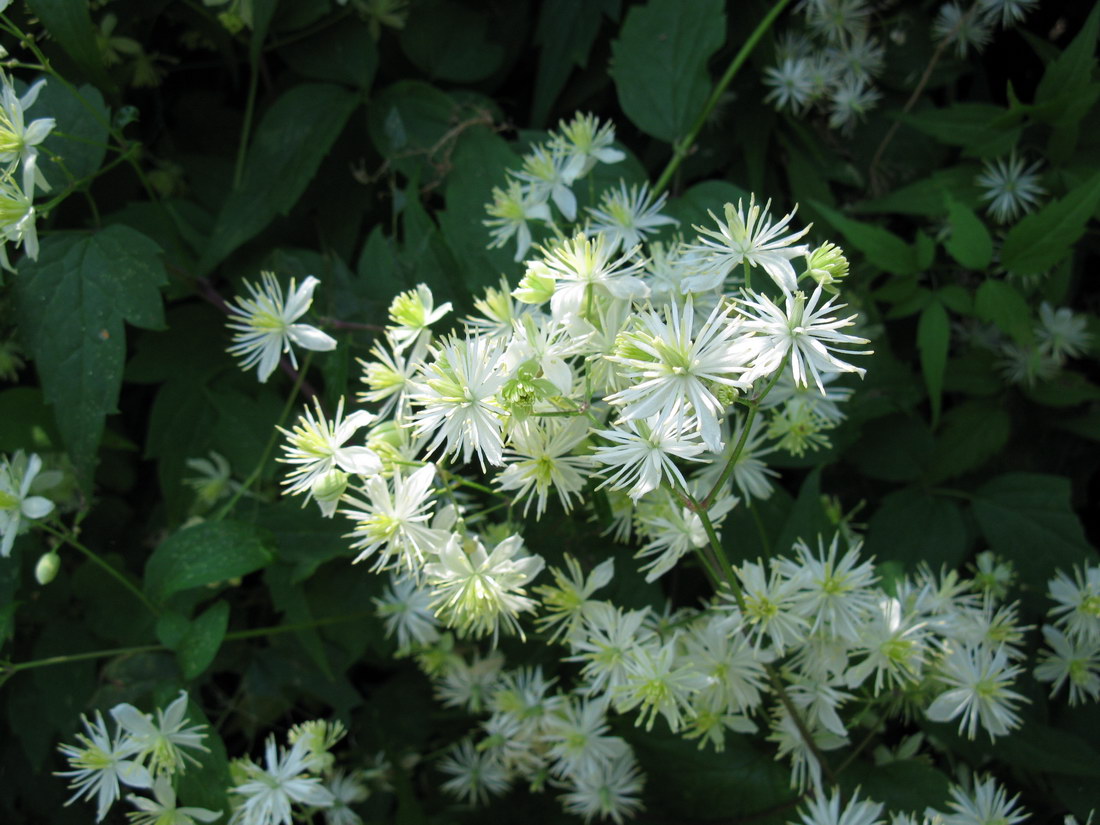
(659, 63)
(933, 340)
(293, 137)
(882, 248)
(1042, 239)
(1027, 518)
(203, 554)
(912, 526)
(969, 242)
(204, 636)
(1065, 79)
(72, 302)
(1000, 303)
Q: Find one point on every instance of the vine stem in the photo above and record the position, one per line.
(10, 668)
(68, 538)
(275, 432)
(683, 146)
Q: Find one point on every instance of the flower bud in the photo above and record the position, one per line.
(536, 286)
(327, 490)
(827, 265)
(46, 569)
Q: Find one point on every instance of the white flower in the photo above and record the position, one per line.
(470, 686)
(475, 775)
(475, 591)
(395, 521)
(19, 140)
(752, 240)
(316, 447)
(657, 683)
(823, 810)
(805, 769)
(1062, 333)
(802, 331)
(1077, 609)
(986, 805)
(577, 737)
(406, 610)
(979, 678)
(17, 475)
(163, 810)
(965, 28)
(390, 376)
(676, 370)
(791, 82)
(1010, 188)
(264, 325)
(835, 596)
(850, 101)
(540, 461)
(568, 602)
(544, 173)
(605, 642)
(100, 763)
(162, 741)
(1067, 661)
(1010, 11)
(610, 791)
(269, 793)
(584, 143)
(770, 601)
(672, 530)
(627, 216)
(583, 269)
(643, 456)
(734, 671)
(510, 212)
(895, 643)
(411, 314)
(214, 480)
(346, 788)
(17, 218)
(458, 396)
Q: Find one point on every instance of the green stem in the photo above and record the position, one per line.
(735, 454)
(9, 668)
(275, 433)
(683, 146)
(93, 557)
(246, 127)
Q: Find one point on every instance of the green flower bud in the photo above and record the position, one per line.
(827, 266)
(536, 286)
(46, 569)
(328, 489)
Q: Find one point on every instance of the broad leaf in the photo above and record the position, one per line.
(1041, 240)
(200, 644)
(204, 554)
(1000, 303)
(659, 63)
(79, 139)
(969, 242)
(70, 24)
(72, 302)
(291, 140)
(933, 338)
(882, 247)
(912, 527)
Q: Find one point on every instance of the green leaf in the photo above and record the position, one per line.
(72, 302)
(1042, 239)
(892, 448)
(200, 644)
(26, 422)
(70, 24)
(883, 248)
(659, 63)
(933, 338)
(1027, 518)
(911, 526)
(1050, 750)
(1066, 389)
(205, 554)
(983, 130)
(971, 434)
(344, 54)
(905, 785)
(406, 120)
(1000, 303)
(293, 137)
(565, 33)
(79, 139)
(1062, 88)
(807, 520)
(926, 197)
(448, 41)
(969, 242)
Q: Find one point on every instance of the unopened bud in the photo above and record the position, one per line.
(827, 265)
(536, 286)
(327, 490)
(46, 569)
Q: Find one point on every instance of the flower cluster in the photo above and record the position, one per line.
(831, 61)
(144, 752)
(19, 172)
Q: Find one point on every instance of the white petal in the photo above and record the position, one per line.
(37, 507)
(308, 337)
